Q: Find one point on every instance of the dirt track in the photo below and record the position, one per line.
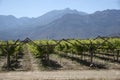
(62, 75)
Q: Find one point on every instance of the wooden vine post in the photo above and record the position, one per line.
(113, 55)
(91, 52)
(6, 51)
(47, 54)
(8, 56)
(118, 51)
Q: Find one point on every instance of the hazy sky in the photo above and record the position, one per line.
(35, 8)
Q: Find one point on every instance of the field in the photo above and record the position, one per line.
(62, 75)
(66, 59)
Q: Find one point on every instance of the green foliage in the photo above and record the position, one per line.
(79, 46)
(41, 48)
(68, 46)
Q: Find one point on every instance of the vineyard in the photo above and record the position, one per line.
(76, 54)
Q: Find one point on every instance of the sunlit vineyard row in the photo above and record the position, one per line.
(75, 46)
(91, 47)
(110, 47)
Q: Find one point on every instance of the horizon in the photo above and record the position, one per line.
(53, 10)
(32, 9)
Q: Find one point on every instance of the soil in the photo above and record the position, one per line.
(63, 75)
(61, 67)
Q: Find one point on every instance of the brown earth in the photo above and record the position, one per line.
(62, 68)
(63, 75)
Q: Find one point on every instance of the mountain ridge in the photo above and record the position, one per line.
(68, 25)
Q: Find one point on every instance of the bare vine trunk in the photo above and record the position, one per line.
(8, 61)
(118, 55)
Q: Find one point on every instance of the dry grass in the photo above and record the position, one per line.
(61, 68)
(63, 75)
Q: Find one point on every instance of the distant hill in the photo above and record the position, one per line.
(115, 35)
(55, 14)
(58, 24)
(81, 26)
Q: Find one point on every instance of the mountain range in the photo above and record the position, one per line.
(58, 24)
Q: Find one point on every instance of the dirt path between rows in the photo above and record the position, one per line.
(62, 75)
(34, 65)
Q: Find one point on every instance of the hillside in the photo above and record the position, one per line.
(58, 24)
(81, 26)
